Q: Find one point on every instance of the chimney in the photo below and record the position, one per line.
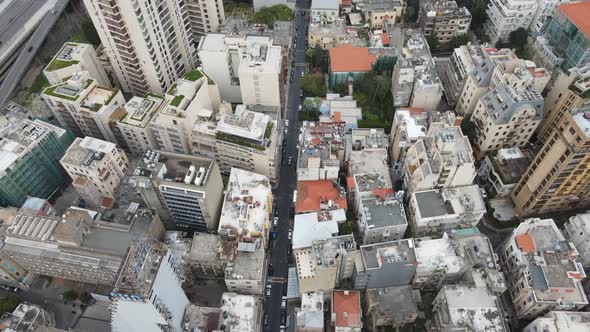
(350, 79)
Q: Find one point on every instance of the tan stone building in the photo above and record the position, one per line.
(558, 178)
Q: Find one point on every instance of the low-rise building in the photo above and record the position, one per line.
(246, 274)
(441, 159)
(391, 306)
(148, 294)
(325, 263)
(241, 312)
(246, 208)
(202, 318)
(369, 185)
(309, 227)
(433, 212)
(73, 58)
(542, 270)
(348, 61)
(501, 172)
(310, 316)
(366, 151)
(347, 314)
(385, 264)
(459, 307)
(97, 168)
(324, 11)
(321, 151)
(85, 107)
(443, 20)
(560, 321)
(330, 35)
(319, 196)
(382, 219)
(27, 317)
(337, 109)
(186, 191)
(415, 82)
(506, 117)
(577, 231)
(30, 154)
(81, 245)
(381, 13)
(209, 253)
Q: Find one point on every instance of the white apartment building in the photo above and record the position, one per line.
(246, 274)
(247, 69)
(324, 11)
(415, 82)
(191, 98)
(458, 306)
(433, 212)
(542, 271)
(381, 13)
(496, 67)
(408, 126)
(204, 16)
(241, 312)
(148, 294)
(501, 171)
(96, 168)
(73, 58)
(83, 106)
(577, 231)
(462, 63)
(382, 219)
(505, 118)
(149, 43)
(443, 20)
(246, 209)
(507, 16)
(134, 125)
(186, 191)
(560, 321)
(442, 159)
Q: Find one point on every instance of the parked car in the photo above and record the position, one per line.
(290, 161)
(284, 302)
(266, 319)
(268, 290)
(290, 235)
(275, 221)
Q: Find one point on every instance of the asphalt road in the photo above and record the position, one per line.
(287, 181)
(21, 64)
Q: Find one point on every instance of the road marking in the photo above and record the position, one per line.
(276, 279)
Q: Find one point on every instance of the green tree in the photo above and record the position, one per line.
(433, 43)
(518, 38)
(9, 303)
(70, 295)
(268, 15)
(312, 104)
(411, 11)
(457, 41)
(313, 85)
(468, 129)
(90, 33)
(317, 58)
(347, 227)
(86, 298)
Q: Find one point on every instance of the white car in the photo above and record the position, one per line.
(286, 123)
(300, 108)
(290, 235)
(302, 74)
(275, 221)
(284, 302)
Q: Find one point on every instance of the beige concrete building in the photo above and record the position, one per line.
(560, 321)
(82, 245)
(570, 90)
(442, 159)
(391, 306)
(505, 118)
(541, 269)
(149, 43)
(322, 150)
(577, 231)
(191, 98)
(83, 106)
(443, 19)
(381, 13)
(73, 58)
(96, 168)
(331, 35)
(134, 126)
(558, 177)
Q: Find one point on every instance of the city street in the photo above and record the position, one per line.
(287, 180)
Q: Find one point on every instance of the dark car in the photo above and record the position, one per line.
(283, 317)
(270, 269)
(265, 319)
(290, 161)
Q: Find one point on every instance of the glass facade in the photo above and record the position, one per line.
(572, 44)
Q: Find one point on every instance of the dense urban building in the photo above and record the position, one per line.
(500, 171)
(443, 20)
(507, 16)
(204, 16)
(149, 44)
(73, 58)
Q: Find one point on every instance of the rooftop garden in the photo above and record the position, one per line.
(240, 141)
(176, 101)
(50, 91)
(268, 131)
(149, 94)
(59, 64)
(193, 75)
(171, 90)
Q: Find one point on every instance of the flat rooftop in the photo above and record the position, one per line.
(247, 265)
(308, 228)
(383, 212)
(473, 307)
(87, 152)
(246, 207)
(375, 255)
(240, 312)
(448, 201)
(244, 123)
(582, 118)
(205, 247)
(141, 110)
(372, 181)
(433, 254)
(71, 90)
(510, 164)
(414, 121)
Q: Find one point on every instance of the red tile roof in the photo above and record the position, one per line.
(347, 307)
(579, 14)
(525, 243)
(311, 193)
(107, 202)
(385, 39)
(346, 2)
(383, 192)
(337, 117)
(347, 58)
